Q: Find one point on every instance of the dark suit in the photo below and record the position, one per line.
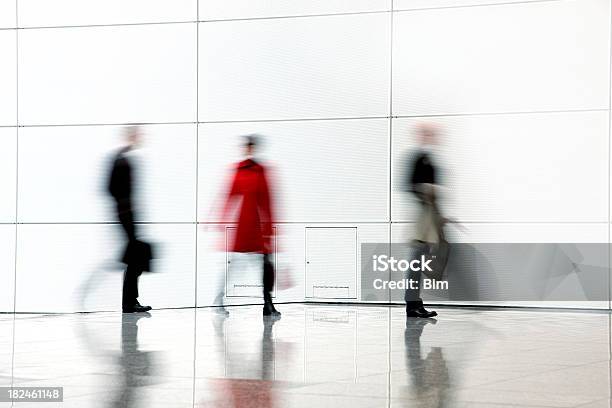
(423, 172)
(121, 188)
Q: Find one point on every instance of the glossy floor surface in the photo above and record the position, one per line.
(315, 356)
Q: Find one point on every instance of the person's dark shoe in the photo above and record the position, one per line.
(137, 308)
(270, 310)
(431, 313)
(420, 312)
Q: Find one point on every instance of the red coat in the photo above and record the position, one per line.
(254, 230)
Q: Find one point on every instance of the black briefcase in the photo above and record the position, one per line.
(138, 254)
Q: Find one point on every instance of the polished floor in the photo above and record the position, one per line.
(315, 356)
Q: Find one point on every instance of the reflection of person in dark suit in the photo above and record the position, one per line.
(137, 254)
(135, 368)
(136, 365)
(430, 375)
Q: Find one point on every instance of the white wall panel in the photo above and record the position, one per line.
(8, 173)
(513, 168)
(172, 284)
(502, 59)
(44, 13)
(515, 233)
(610, 179)
(67, 168)
(65, 268)
(8, 18)
(7, 268)
(144, 73)
(428, 4)
(8, 77)
(219, 9)
(331, 66)
(335, 171)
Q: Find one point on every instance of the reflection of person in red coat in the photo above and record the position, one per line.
(254, 231)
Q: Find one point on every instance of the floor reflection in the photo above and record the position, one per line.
(315, 356)
(236, 390)
(429, 374)
(136, 367)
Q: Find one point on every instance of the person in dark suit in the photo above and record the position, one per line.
(422, 183)
(137, 255)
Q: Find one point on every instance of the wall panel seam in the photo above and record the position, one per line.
(322, 119)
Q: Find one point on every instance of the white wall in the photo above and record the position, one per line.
(8, 77)
(520, 90)
(301, 68)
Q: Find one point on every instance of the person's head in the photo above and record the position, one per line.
(427, 134)
(133, 136)
(251, 142)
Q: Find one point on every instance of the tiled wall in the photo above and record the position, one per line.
(520, 89)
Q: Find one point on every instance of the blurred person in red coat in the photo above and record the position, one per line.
(254, 233)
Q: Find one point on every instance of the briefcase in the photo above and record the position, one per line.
(139, 255)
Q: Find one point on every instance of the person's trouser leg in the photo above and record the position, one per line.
(412, 296)
(268, 286)
(268, 278)
(126, 219)
(130, 286)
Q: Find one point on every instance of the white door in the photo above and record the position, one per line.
(331, 263)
